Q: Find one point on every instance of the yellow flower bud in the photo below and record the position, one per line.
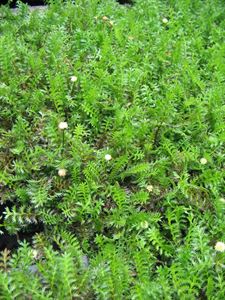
(63, 125)
(203, 161)
(108, 157)
(73, 78)
(222, 200)
(62, 172)
(144, 224)
(165, 20)
(149, 188)
(35, 253)
(220, 247)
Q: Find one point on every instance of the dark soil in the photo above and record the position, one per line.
(11, 241)
(13, 3)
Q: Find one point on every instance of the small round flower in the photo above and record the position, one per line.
(73, 78)
(165, 20)
(35, 253)
(149, 188)
(222, 200)
(62, 172)
(144, 224)
(220, 247)
(203, 161)
(63, 125)
(108, 157)
(104, 18)
(130, 37)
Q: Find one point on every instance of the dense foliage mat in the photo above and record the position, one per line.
(112, 140)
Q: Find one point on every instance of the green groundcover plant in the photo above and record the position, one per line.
(112, 140)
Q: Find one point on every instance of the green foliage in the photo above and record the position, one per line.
(148, 90)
